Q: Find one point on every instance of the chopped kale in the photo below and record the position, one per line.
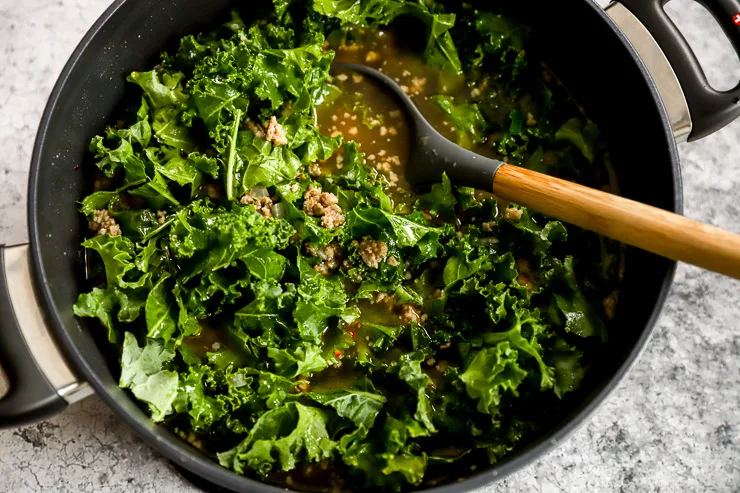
(277, 296)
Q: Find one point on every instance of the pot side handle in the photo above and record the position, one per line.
(35, 381)
(710, 109)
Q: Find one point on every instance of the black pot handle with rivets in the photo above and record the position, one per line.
(27, 394)
(710, 109)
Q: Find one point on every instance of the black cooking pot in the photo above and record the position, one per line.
(49, 356)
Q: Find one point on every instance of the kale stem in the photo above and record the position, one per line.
(232, 157)
(158, 230)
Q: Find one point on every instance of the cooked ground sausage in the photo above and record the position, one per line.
(409, 314)
(324, 205)
(102, 224)
(372, 251)
(330, 255)
(512, 214)
(276, 133)
(263, 205)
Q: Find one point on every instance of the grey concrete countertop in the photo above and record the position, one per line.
(673, 424)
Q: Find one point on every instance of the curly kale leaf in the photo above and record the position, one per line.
(280, 439)
(523, 335)
(161, 317)
(304, 359)
(319, 299)
(571, 307)
(262, 164)
(119, 256)
(388, 459)
(116, 152)
(206, 238)
(207, 395)
(162, 89)
(439, 52)
(143, 371)
(109, 305)
(440, 199)
(361, 408)
(491, 372)
(472, 127)
(408, 230)
(409, 370)
(583, 137)
(503, 39)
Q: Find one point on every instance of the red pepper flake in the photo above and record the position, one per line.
(352, 332)
(337, 354)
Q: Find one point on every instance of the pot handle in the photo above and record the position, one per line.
(35, 381)
(710, 109)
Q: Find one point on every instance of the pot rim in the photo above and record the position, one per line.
(213, 472)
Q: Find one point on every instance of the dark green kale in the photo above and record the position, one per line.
(276, 316)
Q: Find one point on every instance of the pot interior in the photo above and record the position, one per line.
(577, 42)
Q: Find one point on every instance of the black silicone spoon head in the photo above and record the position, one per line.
(431, 154)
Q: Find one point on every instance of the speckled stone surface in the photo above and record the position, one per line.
(673, 424)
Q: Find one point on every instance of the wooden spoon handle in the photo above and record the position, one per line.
(655, 230)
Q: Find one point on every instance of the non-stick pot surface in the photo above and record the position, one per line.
(576, 39)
